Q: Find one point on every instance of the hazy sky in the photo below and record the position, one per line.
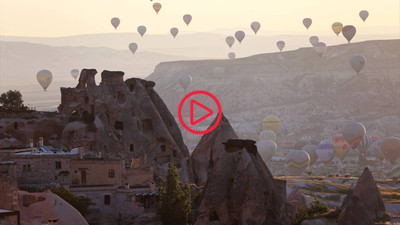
(50, 18)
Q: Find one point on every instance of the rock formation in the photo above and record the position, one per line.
(241, 190)
(121, 119)
(370, 196)
(353, 211)
(209, 149)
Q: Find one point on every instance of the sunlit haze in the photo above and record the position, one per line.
(49, 18)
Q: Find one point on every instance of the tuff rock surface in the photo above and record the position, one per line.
(241, 190)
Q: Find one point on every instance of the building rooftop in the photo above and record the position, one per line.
(47, 150)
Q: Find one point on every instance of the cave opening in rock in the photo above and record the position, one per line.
(119, 125)
(147, 125)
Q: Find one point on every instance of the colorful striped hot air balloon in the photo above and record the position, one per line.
(390, 148)
(340, 146)
(396, 171)
(310, 149)
(364, 144)
(266, 149)
(325, 152)
(353, 133)
(271, 122)
(267, 135)
(297, 161)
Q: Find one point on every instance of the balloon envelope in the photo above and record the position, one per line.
(44, 77)
(307, 22)
(157, 7)
(297, 161)
(348, 32)
(133, 47)
(174, 31)
(185, 80)
(267, 135)
(396, 171)
(390, 148)
(363, 14)
(353, 133)
(325, 152)
(255, 26)
(280, 44)
(75, 73)
(320, 48)
(364, 144)
(337, 28)
(231, 55)
(271, 122)
(300, 144)
(357, 62)
(229, 41)
(115, 22)
(187, 19)
(240, 35)
(266, 149)
(141, 30)
(340, 146)
(311, 150)
(314, 40)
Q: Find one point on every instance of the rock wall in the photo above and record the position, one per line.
(123, 119)
(241, 190)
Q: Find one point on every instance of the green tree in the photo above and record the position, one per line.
(174, 205)
(79, 203)
(12, 101)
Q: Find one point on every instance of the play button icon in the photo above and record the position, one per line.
(193, 103)
(199, 112)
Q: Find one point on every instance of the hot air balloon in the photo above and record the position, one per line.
(280, 44)
(271, 122)
(390, 148)
(340, 146)
(266, 149)
(157, 7)
(300, 144)
(267, 135)
(357, 62)
(174, 31)
(141, 30)
(375, 150)
(187, 18)
(314, 40)
(229, 41)
(364, 144)
(297, 161)
(231, 55)
(348, 32)
(115, 22)
(353, 133)
(75, 73)
(314, 142)
(311, 150)
(240, 35)
(185, 80)
(364, 14)
(44, 77)
(337, 28)
(325, 152)
(133, 47)
(396, 171)
(255, 26)
(307, 22)
(320, 48)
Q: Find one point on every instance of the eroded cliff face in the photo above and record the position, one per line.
(241, 190)
(123, 119)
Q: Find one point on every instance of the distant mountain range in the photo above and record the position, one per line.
(312, 95)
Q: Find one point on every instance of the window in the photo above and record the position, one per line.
(26, 168)
(58, 165)
(107, 200)
(131, 148)
(163, 148)
(111, 173)
(119, 125)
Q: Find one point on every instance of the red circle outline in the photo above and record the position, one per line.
(202, 93)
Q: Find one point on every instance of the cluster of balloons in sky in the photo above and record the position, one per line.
(358, 61)
(187, 18)
(306, 152)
